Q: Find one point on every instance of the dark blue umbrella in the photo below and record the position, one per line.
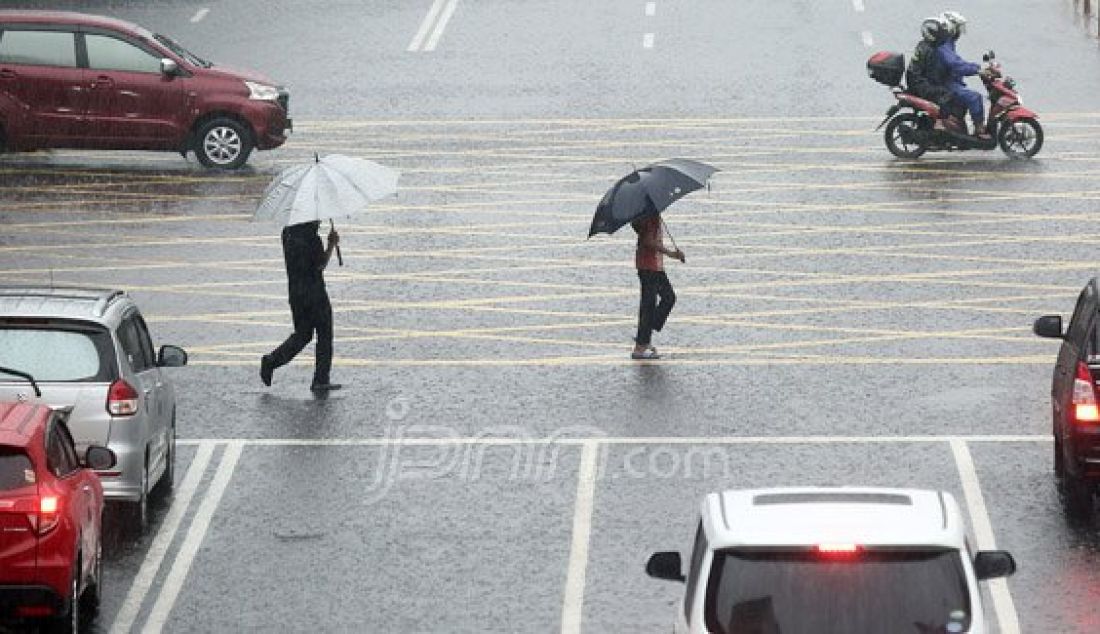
(648, 191)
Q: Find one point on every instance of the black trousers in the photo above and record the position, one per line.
(312, 312)
(651, 313)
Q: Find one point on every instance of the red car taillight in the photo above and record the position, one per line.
(122, 399)
(49, 513)
(1085, 409)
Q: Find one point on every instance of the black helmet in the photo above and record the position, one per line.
(934, 29)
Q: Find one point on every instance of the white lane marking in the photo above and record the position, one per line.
(181, 500)
(983, 532)
(448, 11)
(647, 40)
(858, 6)
(868, 40)
(651, 9)
(573, 605)
(426, 26)
(199, 15)
(630, 440)
(173, 583)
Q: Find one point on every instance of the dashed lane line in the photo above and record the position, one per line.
(1003, 605)
(173, 583)
(181, 500)
(199, 15)
(573, 604)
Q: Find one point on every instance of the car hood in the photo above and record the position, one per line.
(229, 72)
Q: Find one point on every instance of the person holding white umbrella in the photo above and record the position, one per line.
(310, 307)
(300, 198)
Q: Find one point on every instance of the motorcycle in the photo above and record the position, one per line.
(910, 123)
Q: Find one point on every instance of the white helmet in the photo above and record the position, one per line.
(956, 22)
(934, 29)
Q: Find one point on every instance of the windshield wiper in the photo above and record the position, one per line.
(23, 375)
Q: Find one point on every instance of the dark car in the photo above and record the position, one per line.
(1075, 411)
(70, 80)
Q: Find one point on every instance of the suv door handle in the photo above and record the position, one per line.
(103, 81)
(7, 74)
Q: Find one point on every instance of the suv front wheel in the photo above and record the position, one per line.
(223, 143)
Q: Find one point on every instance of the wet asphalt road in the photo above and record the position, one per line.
(841, 318)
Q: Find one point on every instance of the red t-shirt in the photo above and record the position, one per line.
(646, 259)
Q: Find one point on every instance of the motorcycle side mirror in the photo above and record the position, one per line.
(989, 56)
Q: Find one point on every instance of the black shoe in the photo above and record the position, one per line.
(325, 387)
(267, 368)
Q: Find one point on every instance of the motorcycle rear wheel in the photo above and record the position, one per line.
(1020, 139)
(904, 136)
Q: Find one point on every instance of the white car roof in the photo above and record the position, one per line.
(809, 516)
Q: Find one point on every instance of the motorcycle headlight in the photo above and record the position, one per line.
(262, 92)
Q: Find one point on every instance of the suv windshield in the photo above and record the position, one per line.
(171, 45)
(867, 592)
(55, 352)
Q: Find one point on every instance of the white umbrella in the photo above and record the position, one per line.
(335, 186)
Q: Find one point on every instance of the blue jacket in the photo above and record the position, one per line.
(953, 67)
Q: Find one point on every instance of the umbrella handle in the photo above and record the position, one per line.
(669, 234)
(339, 256)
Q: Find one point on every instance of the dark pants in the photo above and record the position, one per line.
(311, 312)
(651, 314)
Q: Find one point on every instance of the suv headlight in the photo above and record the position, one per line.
(261, 92)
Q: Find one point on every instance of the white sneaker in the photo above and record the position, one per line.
(648, 353)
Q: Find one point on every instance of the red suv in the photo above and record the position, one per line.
(69, 80)
(51, 516)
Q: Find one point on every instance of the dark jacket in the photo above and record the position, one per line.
(304, 255)
(924, 73)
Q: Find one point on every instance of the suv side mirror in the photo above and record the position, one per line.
(169, 67)
(992, 564)
(665, 565)
(99, 458)
(171, 357)
(1048, 326)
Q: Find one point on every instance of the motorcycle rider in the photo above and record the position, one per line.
(954, 68)
(923, 74)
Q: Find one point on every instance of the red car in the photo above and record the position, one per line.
(70, 80)
(51, 516)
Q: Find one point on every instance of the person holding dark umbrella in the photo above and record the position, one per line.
(638, 199)
(309, 304)
(658, 298)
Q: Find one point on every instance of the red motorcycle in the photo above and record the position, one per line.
(910, 123)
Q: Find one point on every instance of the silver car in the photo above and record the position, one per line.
(90, 350)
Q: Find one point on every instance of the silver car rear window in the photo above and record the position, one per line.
(57, 354)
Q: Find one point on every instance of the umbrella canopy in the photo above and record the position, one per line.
(334, 186)
(648, 191)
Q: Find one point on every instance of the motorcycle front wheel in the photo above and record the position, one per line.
(1021, 139)
(904, 136)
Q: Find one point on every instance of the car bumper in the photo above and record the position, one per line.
(270, 122)
(14, 597)
(123, 481)
(1085, 449)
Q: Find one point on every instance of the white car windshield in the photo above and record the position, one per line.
(804, 591)
(61, 354)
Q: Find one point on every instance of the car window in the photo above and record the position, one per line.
(108, 53)
(145, 341)
(864, 592)
(697, 554)
(38, 48)
(56, 354)
(60, 454)
(131, 344)
(16, 470)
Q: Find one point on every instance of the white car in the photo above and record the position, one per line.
(831, 560)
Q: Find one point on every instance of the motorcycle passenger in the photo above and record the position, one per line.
(923, 74)
(953, 68)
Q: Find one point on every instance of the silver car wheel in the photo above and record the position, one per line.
(222, 145)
